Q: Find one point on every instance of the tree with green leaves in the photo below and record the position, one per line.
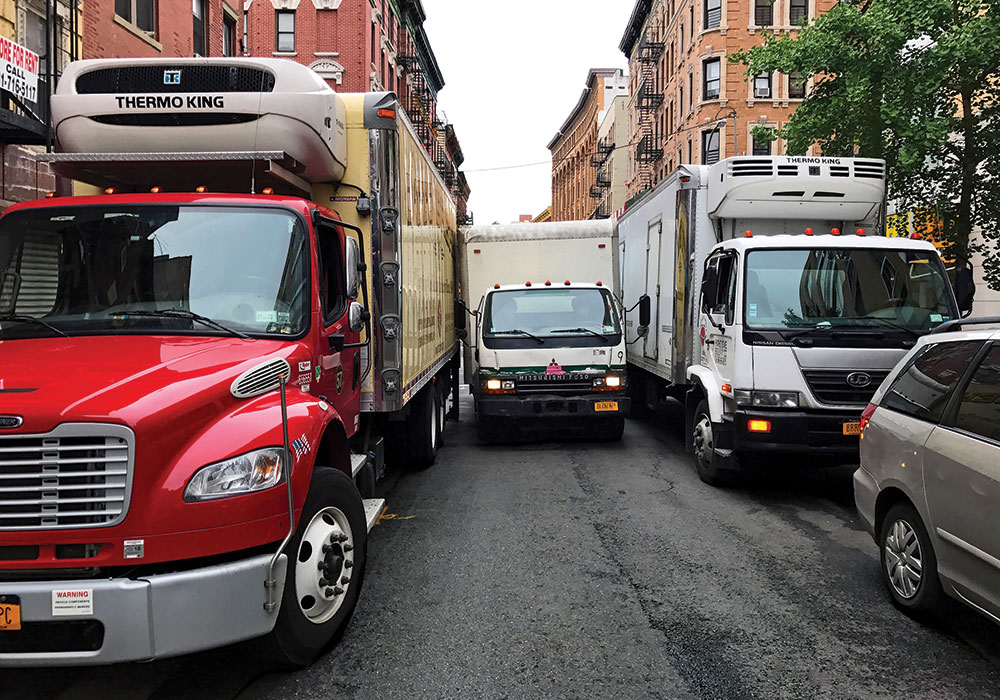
(916, 83)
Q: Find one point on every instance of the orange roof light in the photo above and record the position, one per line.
(566, 283)
(528, 283)
(110, 190)
(199, 189)
(835, 232)
(386, 113)
(496, 286)
(809, 232)
(598, 283)
(685, 178)
(548, 283)
(154, 190)
(860, 232)
(267, 190)
(50, 195)
(748, 234)
(755, 425)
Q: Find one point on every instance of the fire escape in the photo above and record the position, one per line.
(649, 148)
(602, 184)
(420, 103)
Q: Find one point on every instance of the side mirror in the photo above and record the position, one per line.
(388, 217)
(356, 317)
(965, 287)
(710, 289)
(645, 311)
(460, 311)
(353, 264)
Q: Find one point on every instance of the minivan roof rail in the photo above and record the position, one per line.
(959, 322)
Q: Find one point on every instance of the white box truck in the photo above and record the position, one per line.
(775, 307)
(548, 349)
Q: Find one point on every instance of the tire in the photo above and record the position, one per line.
(703, 448)
(441, 392)
(333, 510)
(908, 562)
(423, 434)
(610, 429)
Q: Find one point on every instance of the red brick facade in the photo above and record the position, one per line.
(107, 35)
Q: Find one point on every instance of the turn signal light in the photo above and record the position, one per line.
(613, 381)
(727, 388)
(866, 417)
(755, 425)
(386, 113)
(493, 384)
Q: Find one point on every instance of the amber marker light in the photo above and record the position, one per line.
(267, 190)
(154, 190)
(748, 234)
(599, 283)
(496, 286)
(835, 232)
(601, 245)
(727, 388)
(110, 190)
(50, 195)
(200, 189)
(809, 232)
(758, 426)
(527, 284)
(566, 283)
(860, 232)
(385, 113)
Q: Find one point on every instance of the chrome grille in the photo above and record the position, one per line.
(830, 386)
(558, 384)
(78, 475)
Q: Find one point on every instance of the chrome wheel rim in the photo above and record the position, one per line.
(903, 559)
(703, 443)
(434, 426)
(324, 564)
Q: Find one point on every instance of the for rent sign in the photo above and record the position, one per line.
(18, 70)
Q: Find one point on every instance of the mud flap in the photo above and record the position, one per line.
(373, 509)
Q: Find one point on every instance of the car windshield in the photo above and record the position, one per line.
(551, 311)
(856, 288)
(83, 270)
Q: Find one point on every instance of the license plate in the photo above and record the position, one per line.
(606, 406)
(10, 613)
(852, 427)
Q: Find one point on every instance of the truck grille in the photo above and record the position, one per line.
(558, 384)
(831, 385)
(150, 79)
(78, 475)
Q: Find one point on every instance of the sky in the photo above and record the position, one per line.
(513, 72)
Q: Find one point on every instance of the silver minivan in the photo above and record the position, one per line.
(928, 489)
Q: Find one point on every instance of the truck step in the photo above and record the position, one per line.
(357, 462)
(373, 509)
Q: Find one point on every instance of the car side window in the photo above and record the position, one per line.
(979, 409)
(923, 389)
(332, 278)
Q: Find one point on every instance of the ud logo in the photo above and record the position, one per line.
(171, 77)
(340, 379)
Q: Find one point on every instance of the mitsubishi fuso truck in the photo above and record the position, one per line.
(548, 348)
(772, 306)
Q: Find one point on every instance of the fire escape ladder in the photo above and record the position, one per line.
(648, 150)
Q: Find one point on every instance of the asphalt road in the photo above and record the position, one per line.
(574, 569)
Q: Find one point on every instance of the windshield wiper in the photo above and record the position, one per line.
(24, 318)
(892, 324)
(518, 331)
(180, 313)
(603, 337)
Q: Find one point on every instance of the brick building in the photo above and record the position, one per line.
(688, 104)
(360, 46)
(576, 192)
(153, 28)
(612, 157)
(46, 29)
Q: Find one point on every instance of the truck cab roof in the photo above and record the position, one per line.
(547, 285)
(850, 240)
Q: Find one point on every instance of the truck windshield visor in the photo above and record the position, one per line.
(82, 270)
(856, 288)
(541, 312)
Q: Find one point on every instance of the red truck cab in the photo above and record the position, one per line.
(153, 499)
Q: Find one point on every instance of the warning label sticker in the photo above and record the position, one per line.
(77, 602)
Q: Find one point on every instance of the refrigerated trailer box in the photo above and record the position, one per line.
(548, 345)
(776, 308)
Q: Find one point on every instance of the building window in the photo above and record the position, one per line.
(690, 91)
(246, 33)
(690, 151)
(798, 11)
(691, 22)
(228, 35)
(710, 147)
(796, 86)
(373, 43)
(763, 13)
(141, 13)
(680, 102)
(713, 13)
(710, 70)
(199, 28)
(285, 20)
(761, 146)
(762, 86)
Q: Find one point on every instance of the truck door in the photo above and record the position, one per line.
(335, 375)
(719, 314)
(651, 342)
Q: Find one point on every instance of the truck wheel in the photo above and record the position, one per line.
(441, 391)
(909, 566)
(703, 445)
(326, 569)
(423, 429)
(611, 429)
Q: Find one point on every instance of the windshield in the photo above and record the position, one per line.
(866, 288)
(551, 311)
(80, 269)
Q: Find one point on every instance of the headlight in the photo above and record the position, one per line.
(493, 384)
(254, 471)
(767, 399)
(508, 385)
(613, 381)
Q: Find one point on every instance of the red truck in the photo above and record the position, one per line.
(185, 459)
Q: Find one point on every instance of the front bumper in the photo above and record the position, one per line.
(143, 618)
(552, 406)
(813, 432)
